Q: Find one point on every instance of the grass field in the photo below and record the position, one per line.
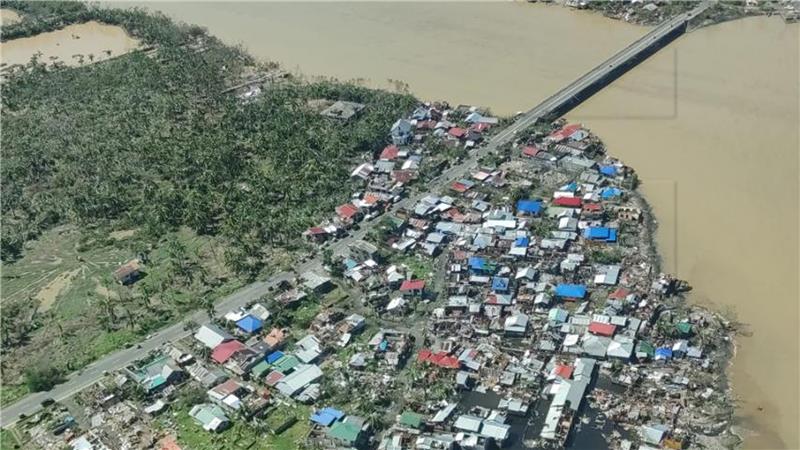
(241, 435)
(66, 278)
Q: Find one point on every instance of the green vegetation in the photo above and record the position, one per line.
(420, 268)
(242, 435)
(144, 155)
(611, 256)
(152, 142)
(39, 379)
(11, 393)
(61, 307)
(9, 439)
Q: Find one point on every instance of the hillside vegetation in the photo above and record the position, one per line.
(149, 148)
(151, 140)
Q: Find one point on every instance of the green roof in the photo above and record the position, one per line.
(346, 432)
(646, 347)
(208, 413)
(155, 382)
(285, 363)
(260, 368)
(684, 327)
(411, 419)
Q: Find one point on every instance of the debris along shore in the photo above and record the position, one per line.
(654, 12)
(553, 287)
(522, 305)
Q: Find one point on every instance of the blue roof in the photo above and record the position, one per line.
(529, 206)
(499, 284)
(664, 352)
(601, 234)
(249, 324)
(571, 290)
(521, 241)
(350, 263)
(608, 171)
(610, 192)
(597, 233)
(326, 416)
(476, 262)
(274, 356)
(570, 187)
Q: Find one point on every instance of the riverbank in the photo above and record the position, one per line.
(654, 13)
(693, 143)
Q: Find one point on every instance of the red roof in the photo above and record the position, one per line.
(412, 285)
(620, 294)
(592, 207)
(224, 351)
(449, 362)
(603, 329)
(317, 230)
(440, 359)
(459, 187)
(564, 371)
(273, 378)
(479, 127)
(565, 132)
(227, 387)
(402, 176)
(390, 152)
(457, 132)
(573, 202)
(426, 124)
(530, 150)
(455, 215)
(347, 211)
(371, 198)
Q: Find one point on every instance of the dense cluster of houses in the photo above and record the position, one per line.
(389, 172)
(548, 294)
(543, 314)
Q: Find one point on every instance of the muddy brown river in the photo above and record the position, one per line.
(72, 45)
(710, 123)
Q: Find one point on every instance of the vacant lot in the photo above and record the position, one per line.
(241, 435)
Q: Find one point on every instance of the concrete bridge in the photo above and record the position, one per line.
(602, 75)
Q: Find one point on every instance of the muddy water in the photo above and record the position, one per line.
(711, 124)
(718, 151)
(98, 40)
(505, 56)
(8, 16)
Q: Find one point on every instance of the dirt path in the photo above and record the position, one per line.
(49, 293)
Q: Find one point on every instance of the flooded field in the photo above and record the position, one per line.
(8, 17)
(73, 45)
(710, 124)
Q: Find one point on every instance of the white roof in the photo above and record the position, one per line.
(301, 377)
(259, 311)
(211, 335)
(496, 430)
(468, 423)
(396, 303)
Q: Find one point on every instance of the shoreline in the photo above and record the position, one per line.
(725, 383)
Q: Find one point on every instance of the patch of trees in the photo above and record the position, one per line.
(39, 379)
(150, 141)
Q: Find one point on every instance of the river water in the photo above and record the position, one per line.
(710, 123)
(87, 42)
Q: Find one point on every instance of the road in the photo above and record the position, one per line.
(94, 372)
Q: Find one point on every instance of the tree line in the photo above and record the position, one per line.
(150, 140)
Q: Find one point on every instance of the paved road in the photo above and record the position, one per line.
(91, 374)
